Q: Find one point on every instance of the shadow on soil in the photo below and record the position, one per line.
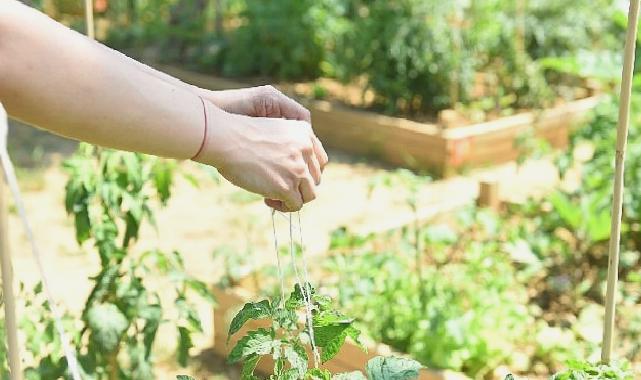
(210, 363)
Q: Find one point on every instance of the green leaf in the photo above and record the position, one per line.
(567, 210)
(251, 311)
(318, 374)
(82, 224)
(107, 324)
(297, 358)
(392, 368)
(247, 373)
(328, 326)
(132, 228)
(290, 374)
(201, 288)
(257, 342)
(599, 225)
(355, 375)
(191, 179)
(330, 331)
(184, 344)
(355, 334)
(163, 177)
(332, 347)
(296, 299)
(285, 319)
(184, 377)
(152, 315)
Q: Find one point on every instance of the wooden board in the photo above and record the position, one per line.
(405, 143)
(350, 358)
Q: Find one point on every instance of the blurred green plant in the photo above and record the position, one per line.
(410, 53)
(283, 39)
(468, 312)
(581, 370)
(41, 356)
(109, 193)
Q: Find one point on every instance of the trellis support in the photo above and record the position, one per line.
(617, 198)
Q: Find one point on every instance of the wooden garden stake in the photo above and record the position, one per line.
(489, 194)
(617, 200)
(8, 296)
(89, 18)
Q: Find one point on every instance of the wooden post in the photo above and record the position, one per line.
(489, 194)
(617, 199)
(89, 18)
(11, 326)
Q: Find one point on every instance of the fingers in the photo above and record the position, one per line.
(291, 109)
(270, 102)
(292, 200)
(314, 167)
(276, 205)
(320, 153)
(307, 190)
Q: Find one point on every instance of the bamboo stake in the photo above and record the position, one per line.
(89, 18)
(11, 326)
(617, 200)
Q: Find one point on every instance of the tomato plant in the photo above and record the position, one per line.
(285, 341)
(109, 194)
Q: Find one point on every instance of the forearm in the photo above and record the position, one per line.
(57, 79)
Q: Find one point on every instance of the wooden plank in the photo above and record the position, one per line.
(572, 109)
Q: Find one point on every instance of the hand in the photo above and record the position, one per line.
(275, 158)
(263, 101)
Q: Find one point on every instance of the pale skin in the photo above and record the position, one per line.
(59, 80)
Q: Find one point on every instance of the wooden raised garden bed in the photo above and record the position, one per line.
(350, 358)
(444, 148)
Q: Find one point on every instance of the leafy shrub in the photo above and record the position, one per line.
(408, 52)
(564, 27)
(136, 24)
(282, 39)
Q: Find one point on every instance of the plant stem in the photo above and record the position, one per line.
(418, 258)
(113, 366)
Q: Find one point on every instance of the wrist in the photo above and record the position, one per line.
(216, 138)
(213, 96)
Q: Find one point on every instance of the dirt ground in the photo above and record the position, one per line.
(199, 220)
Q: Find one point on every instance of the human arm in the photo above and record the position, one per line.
(59, 80)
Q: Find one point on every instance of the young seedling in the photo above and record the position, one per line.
(286, 341)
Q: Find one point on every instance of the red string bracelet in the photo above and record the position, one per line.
(202, 144)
